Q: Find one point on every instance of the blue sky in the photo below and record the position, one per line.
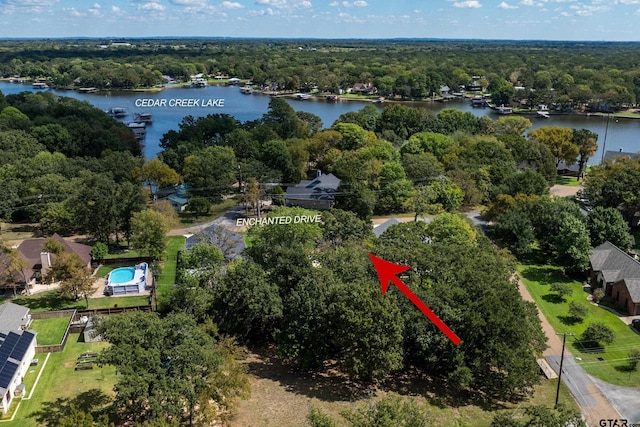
(480, 19)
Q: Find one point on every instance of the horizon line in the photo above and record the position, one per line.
(285, 38)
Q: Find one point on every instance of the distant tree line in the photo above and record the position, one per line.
(562, 73)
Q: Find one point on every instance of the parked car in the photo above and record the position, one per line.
(635, 324)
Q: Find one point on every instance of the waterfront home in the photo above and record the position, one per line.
(363, 89)
(319, 193)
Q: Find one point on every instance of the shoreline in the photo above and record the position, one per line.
(631, 113)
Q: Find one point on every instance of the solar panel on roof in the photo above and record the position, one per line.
(7, 373)
(11, 339)
(21, 348)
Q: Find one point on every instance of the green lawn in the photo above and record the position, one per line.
(48, 301)
(60, 384)
(125, 253)
(188, 219)
(166, 280)
(571, 181)
(50, 331)
(612, 368)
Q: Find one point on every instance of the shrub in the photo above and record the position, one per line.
(562, 289)
(99, 251)
(598, 294)
(597, 333)
(634, 359)
(578, 311)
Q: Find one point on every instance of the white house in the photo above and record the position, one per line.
(17, 349)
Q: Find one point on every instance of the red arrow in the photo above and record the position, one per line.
(387, 273)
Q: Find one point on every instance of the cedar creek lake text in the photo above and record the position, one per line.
(183, 102)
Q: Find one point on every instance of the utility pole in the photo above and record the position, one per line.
(564, 340)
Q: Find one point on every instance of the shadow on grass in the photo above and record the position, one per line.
(569, 320)
(553, 298)
(330, 385)
(544, 274)
(625, 368)
(50, 300)
(93, 402)
(589, 347)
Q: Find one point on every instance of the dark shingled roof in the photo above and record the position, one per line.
(614, 155)
(633, 286)
(614, 263)
(30, 250)
(230, 243)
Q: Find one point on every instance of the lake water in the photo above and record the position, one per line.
(171, 105)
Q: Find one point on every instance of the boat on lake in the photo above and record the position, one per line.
(331, 98)
(302, 96)
(199, 83)
(246, 90)
(144, 118)
(117, 111)
(505, 110)
(139, 129)
(40, 85)
(542, 114)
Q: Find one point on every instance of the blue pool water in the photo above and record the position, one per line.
(121, 275)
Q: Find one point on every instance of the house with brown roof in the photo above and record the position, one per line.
(38, 261)
(619, 274)
(364, 88)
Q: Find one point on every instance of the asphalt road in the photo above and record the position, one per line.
(626, 400)
(575, 378)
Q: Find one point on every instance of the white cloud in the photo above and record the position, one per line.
(286, 4)
(357, 3)
(231, 5)
(268, 12)
(152, 6)
(189, 2)
(75, 12)
(96, 6)
(333, 4)
(473, 4)
(505, 5)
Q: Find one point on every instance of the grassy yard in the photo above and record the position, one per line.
(282, 398)
(61, 385)
(50, 331)
(612, 367)
(124, 253)
(188, 219)
(167, 277)
(571, 181)
(48, 301)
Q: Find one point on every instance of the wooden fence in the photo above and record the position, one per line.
(51, 315)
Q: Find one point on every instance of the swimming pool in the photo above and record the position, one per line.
(121, 275)
(127, 280)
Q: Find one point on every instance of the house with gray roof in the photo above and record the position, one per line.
(14, 317)
(230, 243)
(17, 349)
(619, 274)
(318, 193)
(615, 155)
